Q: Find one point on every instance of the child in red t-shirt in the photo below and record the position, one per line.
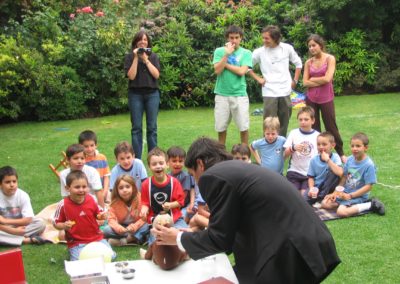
(161, 193)
(77, 214)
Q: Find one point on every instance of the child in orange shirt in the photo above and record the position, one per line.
(124, 223)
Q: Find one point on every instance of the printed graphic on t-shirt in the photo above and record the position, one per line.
(307, 148)
(234, 60)
(11, 212)
(160, 197)
(352, 179)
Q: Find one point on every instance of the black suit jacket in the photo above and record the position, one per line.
(274, 234)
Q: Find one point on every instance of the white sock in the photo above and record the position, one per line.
(363, 206)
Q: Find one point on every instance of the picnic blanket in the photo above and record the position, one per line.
(50, 233)
(326, 215)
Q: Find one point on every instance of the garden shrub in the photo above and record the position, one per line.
(64, 59)
(31, 89)
(356, 66)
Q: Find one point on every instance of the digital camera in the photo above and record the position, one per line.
(142, 50)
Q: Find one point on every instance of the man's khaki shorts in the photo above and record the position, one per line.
(227, 108)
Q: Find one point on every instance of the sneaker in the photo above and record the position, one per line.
(117, 242)
(377, 206)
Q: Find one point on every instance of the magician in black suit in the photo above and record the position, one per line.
(259, 216)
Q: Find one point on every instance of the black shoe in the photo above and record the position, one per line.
(377, 206)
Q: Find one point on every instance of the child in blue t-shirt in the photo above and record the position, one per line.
(359, 176)
(325, 169)
(176, 161)
(268, 151)
(201, 219)
(127, 165)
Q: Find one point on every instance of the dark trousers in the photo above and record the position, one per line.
(329, 118)
(280, 107)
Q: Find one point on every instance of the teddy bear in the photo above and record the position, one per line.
(165, 256)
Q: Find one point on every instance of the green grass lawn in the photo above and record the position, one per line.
(369, 246)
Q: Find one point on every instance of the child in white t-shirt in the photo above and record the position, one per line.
(76, 160)
(17, 222)
(301, 146)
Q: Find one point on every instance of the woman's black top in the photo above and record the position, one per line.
(144, 82)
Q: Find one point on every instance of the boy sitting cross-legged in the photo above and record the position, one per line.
(17, 222)
(77, 214)
(325, 169)
(359, 176)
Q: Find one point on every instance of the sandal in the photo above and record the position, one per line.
(37, 240)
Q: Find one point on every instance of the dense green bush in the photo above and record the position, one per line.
(356, 66)
(60, 64)
(64, 59)
(31, 88)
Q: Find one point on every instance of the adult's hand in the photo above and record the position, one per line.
(164, 235)
(261, 81)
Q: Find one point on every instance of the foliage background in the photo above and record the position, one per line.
(58, 62)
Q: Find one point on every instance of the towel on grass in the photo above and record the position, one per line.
(326, 215)
(50, 233)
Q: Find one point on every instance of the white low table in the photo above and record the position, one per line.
(188, 272)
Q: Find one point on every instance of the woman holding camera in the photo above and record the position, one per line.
(142, 67)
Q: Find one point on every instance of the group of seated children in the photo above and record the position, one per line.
(135, 198)
(124, 201)
(315, 170)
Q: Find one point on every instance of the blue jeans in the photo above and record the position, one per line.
(139, 103)
(140, 234)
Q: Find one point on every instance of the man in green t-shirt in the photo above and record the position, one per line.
(231, 63)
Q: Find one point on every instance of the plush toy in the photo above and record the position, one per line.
(165, 256)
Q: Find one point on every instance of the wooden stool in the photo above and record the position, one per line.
(63, 162)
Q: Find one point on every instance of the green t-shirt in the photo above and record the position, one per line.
(228, 83)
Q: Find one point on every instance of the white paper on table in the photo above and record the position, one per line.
(85, 268)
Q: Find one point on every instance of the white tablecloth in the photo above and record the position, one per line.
(188, 272)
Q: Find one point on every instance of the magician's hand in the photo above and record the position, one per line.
(164, 235)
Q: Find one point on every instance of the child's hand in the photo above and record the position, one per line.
(324, 156)
(2, 220)
(298, 147)
(102, 216)
(68, 225)
(345, 196)
(144, 212)
(167, 206)
(190, 208)
(330, 197)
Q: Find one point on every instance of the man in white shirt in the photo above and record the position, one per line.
(277, 83)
